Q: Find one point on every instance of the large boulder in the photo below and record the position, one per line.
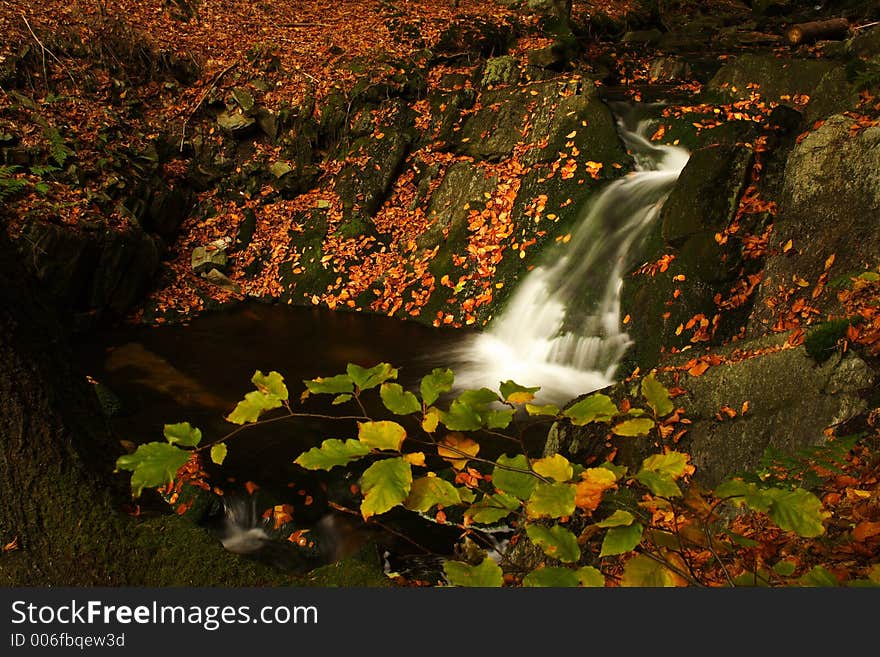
(95, 274)
(829, 206)
(702, 203)
(790, 399)
(782, 80)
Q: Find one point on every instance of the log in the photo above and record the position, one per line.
(835, 28)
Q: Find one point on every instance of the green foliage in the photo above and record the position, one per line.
(657, 396)
(9, 184)
(152, 465)
(332, 453)
(428, 492)
(595, 408)
(640, 426)
(385, 484)
(397, 400)
(794, 510)
(556, 542)
(822, 340)
(435, 384)
(487, 574)
(559, 505)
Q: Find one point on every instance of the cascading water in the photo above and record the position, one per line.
(562, 327)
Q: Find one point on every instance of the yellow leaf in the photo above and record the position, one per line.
(454, 448)
(594, 482)
(416, 458)
(431, 420)
(520, 397)
(555, 467)
(571, 134)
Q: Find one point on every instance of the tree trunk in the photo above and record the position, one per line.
(59, 517)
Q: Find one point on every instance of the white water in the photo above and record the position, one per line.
(551, 334)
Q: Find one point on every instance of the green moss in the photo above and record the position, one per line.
(822, 341)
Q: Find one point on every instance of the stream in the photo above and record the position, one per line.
(561, 330)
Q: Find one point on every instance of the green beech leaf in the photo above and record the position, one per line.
(461, 417)
(798, 511)
(551, 501)
(427, 492)
(595, 408)
(659, 483)
(486, 574)
(253, 405)
(270, 384)
(671, 464)
(619, 540)
(332, 385)
(785, 568)
(331, 453)
(591, 577)
(365, 378)
(385, 484)
(436, 383)
(619, 518)
(551, 576)
(545, 409)
(517, 394)
(818, 576)
(152, 465)
(741, 493)
(657, 396)
(218, 453)
(556, 542)
(555, 467)
(182, 434)
(340, 399)
(518, 484)
(479, 398)
(497, 418)
(399, 401)
(493, 508)
(641, 571)
(636, 427)
(382, 434)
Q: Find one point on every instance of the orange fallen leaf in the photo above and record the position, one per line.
(699, 369)
(865, 530)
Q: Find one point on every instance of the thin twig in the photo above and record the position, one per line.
(371, 521)
(204, 95)
(44, 51)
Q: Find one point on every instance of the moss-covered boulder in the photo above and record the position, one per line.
(377, 158)
(829, 206)
(775, 79)
(661, 302)
(95, 272)
(791, 400)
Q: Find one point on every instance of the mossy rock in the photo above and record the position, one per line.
(707, 193)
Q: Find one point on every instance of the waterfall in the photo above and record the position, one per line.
(562, 328)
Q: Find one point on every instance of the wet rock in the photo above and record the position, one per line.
(778, 79)
(221, 280)
(702, 203)
(791, 400)
(829, 205)
(707, 192)
(363, 188)
(210, 256)
(502, 70)
(666, 69)
(235, 123)
(166, 211)
(95, 273)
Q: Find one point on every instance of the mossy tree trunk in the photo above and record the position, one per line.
(57, 501)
